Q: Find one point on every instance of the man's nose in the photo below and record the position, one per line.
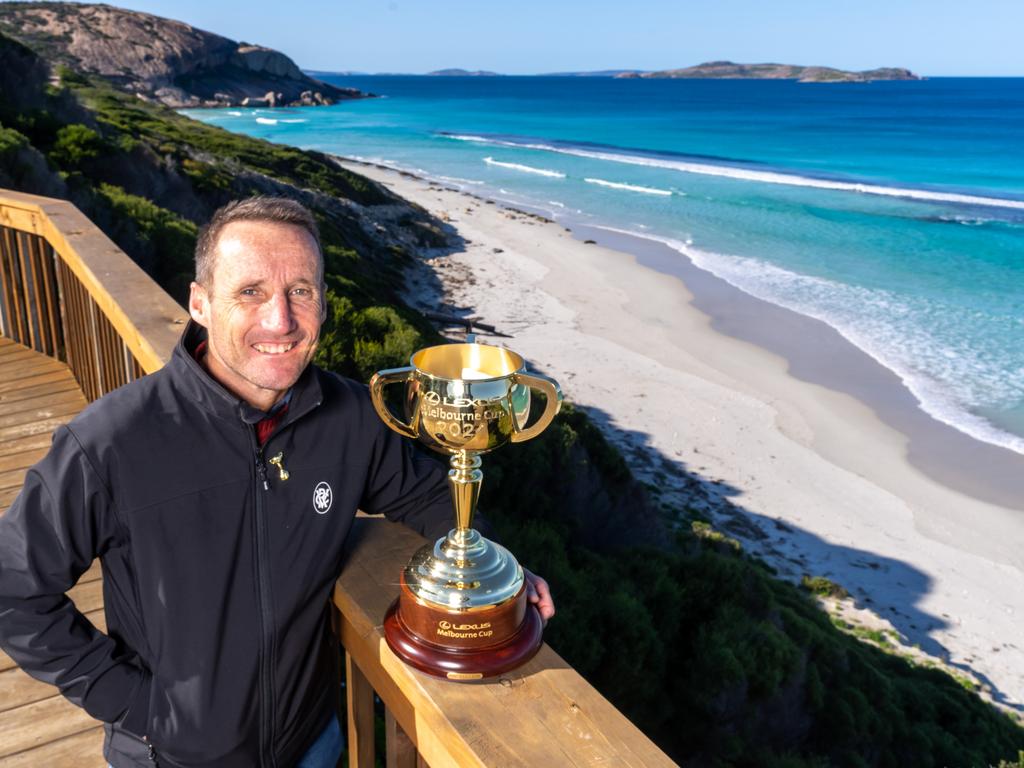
(277, 314)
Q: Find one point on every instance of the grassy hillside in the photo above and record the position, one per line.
(718, 661)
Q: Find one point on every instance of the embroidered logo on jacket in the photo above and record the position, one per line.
(322, 498)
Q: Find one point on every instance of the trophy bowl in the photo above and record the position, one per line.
(462, 611)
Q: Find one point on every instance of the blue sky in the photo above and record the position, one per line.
(931, 37)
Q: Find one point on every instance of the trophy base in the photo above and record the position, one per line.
(464, 663)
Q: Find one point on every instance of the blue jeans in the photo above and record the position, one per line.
(325, 750)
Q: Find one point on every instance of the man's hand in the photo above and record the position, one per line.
(538, 593)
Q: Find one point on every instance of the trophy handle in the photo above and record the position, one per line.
(554, 403)
(377, 383)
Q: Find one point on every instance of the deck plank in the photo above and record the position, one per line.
(62, 384)
(81, 750)
(16, 446)
(34, 380)
(38, 726)
(35, 724)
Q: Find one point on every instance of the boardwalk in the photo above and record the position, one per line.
(38, 727)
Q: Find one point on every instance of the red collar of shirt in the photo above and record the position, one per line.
(264, 427)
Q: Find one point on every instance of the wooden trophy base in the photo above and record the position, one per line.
(463, 645)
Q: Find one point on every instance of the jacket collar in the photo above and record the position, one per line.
(210, 395)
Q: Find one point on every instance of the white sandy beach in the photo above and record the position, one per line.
(805, 476)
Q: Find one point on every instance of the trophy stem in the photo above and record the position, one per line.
(464, 480)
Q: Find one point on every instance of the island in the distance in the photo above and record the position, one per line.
(728, 70)
(462, 73)
(721, 70)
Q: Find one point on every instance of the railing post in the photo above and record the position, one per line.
(15, 299)
(359, 696)
(401, 752)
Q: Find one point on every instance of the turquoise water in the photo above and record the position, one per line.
(892, 211)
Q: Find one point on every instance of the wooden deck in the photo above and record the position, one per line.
(38, 726)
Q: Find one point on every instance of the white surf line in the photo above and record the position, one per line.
(767, 177)
(525, 168)
(629, 187)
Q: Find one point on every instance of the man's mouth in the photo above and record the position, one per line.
(274, 349)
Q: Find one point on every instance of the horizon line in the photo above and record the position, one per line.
(577, 73)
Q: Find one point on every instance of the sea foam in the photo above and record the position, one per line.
(266, 120)
(460, 180)
(899, 333)
(629, 187)
(525, 168)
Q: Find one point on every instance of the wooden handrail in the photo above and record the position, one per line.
(114, 322)
(543, 714)
(68, 291)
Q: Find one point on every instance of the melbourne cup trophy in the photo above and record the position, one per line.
(462, 612)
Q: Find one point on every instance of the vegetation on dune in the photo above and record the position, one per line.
(719, 662)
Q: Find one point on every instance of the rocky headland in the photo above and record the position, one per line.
(728, 70)
(163, 60)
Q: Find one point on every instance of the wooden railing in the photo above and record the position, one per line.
(66, 290)
(542, 714)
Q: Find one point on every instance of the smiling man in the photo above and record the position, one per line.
(217, 493)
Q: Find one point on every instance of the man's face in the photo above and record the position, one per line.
(263, 309)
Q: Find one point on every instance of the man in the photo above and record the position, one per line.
(195, 488)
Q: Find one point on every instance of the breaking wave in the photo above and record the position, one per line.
(748, 174)
(525, 168)
(630, 187)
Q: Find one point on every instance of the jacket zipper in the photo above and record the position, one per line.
(266, 646)
(267, 703)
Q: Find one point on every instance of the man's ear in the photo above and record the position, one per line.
(199, 304)
(323, 303)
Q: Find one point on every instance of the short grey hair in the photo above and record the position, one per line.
(282, 210)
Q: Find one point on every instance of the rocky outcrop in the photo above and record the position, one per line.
(161, 59)
(255, 58)
(728, 70)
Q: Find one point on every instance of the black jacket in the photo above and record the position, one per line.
(216, 571)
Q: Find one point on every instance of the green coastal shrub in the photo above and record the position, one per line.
(171, 238)
(75, 144)
(359, 341)
(823, 587)
(11, 141)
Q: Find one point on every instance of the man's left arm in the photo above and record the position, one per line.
(407, 486)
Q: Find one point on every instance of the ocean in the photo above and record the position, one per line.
(893, 211)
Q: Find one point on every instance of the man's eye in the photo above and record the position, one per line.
(304, 292)
(248, 292)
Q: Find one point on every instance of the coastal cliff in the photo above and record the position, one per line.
(163, 60)
(727, 70)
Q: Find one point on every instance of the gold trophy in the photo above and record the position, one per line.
(462, 612)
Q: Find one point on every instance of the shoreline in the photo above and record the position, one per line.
(746, 429)
(948, 456)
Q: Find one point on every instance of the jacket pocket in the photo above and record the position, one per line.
(125, 750)
(135, 720)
